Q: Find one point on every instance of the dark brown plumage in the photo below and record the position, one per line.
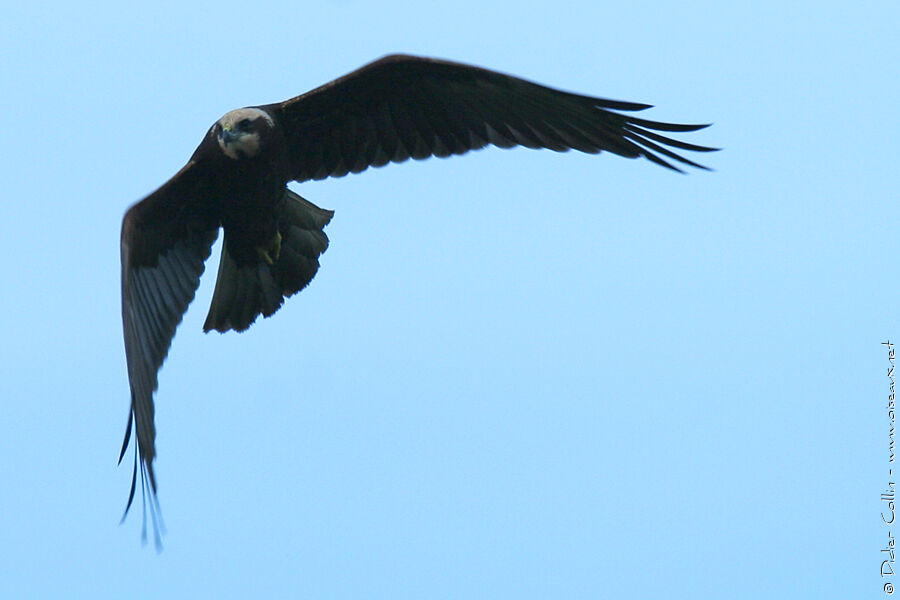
(393, 109)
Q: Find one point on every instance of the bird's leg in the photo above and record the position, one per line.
(271, 252)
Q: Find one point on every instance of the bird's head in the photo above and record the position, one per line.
(240, 132)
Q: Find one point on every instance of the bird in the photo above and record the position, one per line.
(388, 111)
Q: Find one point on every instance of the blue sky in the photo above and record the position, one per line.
(518, 374)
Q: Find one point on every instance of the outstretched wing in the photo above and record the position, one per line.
(166, 237)
(402, 107)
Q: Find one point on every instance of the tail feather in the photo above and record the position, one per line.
(244, 292)
(299, 258)
(304, 214)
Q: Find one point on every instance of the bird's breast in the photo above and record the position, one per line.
(249, 193)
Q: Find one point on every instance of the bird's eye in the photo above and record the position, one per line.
(244, 124)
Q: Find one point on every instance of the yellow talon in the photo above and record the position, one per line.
(271, 253)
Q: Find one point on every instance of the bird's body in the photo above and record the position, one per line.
(393, 109)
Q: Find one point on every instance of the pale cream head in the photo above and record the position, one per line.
(239, 132)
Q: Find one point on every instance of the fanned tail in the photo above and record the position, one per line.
(245, 291)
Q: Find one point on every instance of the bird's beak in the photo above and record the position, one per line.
(228, 136)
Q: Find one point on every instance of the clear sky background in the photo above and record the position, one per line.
(518, 374)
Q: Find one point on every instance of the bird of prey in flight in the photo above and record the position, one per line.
(393, 109)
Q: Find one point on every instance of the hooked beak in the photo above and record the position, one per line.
(227, 136)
